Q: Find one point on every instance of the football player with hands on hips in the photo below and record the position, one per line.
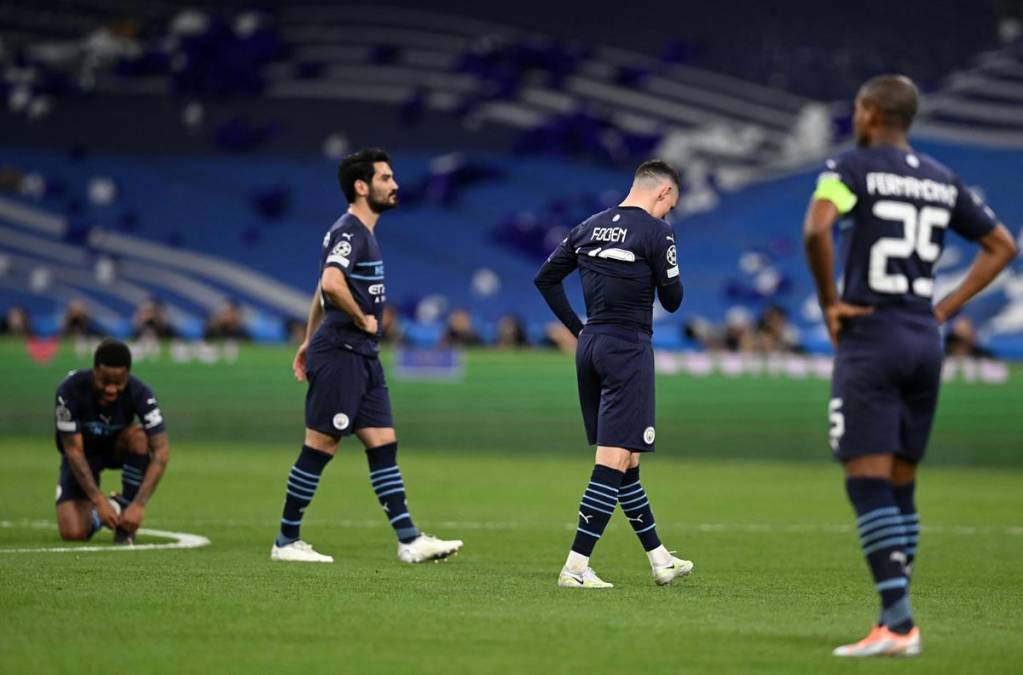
(894, 206)
(339, 359)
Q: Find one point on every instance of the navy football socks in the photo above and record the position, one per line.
(385, 477)
(302, 483)
(597, 507)
(910, 520)
(132, 472)
(883, 540)
(636, 506)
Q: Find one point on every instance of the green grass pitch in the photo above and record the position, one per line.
(741, 484)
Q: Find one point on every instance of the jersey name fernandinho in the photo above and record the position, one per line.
(350, 247)
(623, 255)
(897, 204)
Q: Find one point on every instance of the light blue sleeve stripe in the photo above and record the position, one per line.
(365, 277)
(302, 497)
(380, 471)
(592, 534)
(397, 518)
(387, 485)
(647, 528)
(385, 477)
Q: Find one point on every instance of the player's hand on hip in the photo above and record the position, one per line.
(836, 314)
(298, 363)
(132, 517)
(369, 324)
(106, 513)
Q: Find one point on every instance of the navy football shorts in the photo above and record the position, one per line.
(347, 391)
(884, 389)
(101, 454)
(615, 368)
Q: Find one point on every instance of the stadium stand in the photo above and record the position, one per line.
(226, 196)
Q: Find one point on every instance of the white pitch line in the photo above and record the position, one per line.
(182, 540)
(746, 528)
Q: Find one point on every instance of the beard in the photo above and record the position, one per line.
(386, 203)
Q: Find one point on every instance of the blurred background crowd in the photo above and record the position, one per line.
(168, 172)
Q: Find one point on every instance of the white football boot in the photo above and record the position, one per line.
(667, 573)
(298, 551)
(426, 547)
(585, 579)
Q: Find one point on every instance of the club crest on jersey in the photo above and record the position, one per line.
(341, 421)
(649, 435)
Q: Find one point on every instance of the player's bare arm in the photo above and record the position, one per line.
(820, 254)
(340, 295)
(74, 450)
(313, 322)
(159, 453)
(997, 250)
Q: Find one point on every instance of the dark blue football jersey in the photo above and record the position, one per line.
(897, 204)
(623, 255)
(80, 410)
(351, 247)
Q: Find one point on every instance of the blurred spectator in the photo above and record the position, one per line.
(511, 333)
(77, 321)
(738, 335)
(962, 340)
(226, 323)
(775, 333)
(390, 329)
(295, 329)
(557, 335)
(459, 331)
(151, 321)
(16, 322)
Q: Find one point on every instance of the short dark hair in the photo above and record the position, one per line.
(658, 168)
(359, 166)
(895, 96)
(112, 354)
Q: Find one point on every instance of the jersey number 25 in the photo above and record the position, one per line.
(918, 226)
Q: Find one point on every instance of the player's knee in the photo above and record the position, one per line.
(321, 442)
(72, 531)
(133, 440)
